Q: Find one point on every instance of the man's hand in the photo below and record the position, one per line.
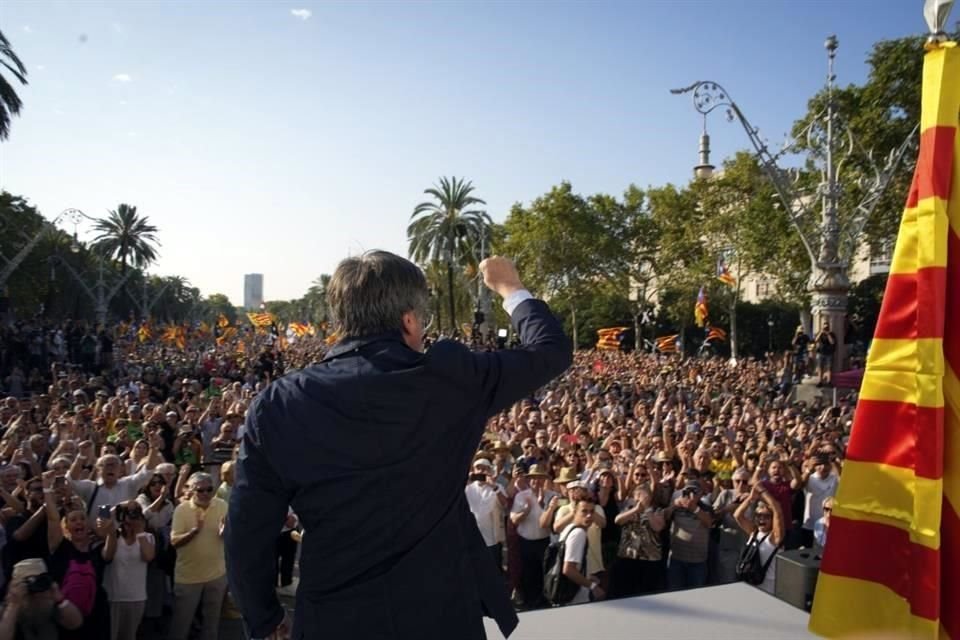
(500, 275)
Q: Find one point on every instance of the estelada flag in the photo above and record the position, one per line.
(667, 344)
(700, 310)
(716, 333)
(610, 337)
(891, 566)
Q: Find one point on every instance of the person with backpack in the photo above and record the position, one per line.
(574, 540)
(767, 531)
(77, 562)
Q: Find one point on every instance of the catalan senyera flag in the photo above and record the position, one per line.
(716, 333)
(667, 344)
(261, 319)
(299, 329)
(228, 334)
(222, 321)
(144, 333)
(609, 338)
(700, 310)
(891, 566)
(723, 272)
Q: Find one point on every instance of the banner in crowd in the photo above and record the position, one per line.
(891, 567)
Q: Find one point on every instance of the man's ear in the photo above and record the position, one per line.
(410, 324)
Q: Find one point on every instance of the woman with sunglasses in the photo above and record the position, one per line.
(157, 508)
(766, 529)
(125, 579)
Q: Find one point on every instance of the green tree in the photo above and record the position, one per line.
(218, 303)
(567, 244)
(448, 230)
(10, 103)
(127, 237)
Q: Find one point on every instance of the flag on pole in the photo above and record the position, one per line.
(700, 310)
(723, 272)
(261, 320)
(610, 337)
(891, 566)
(223, 322)
(716, 333)
(667, 344)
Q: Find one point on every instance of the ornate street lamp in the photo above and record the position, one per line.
(830, 246)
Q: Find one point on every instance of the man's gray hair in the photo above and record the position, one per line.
(198, 477)
(369, 294)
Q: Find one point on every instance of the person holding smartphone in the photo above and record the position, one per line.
(487, 500)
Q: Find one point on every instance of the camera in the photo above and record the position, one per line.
(481, 477)
(39, 583)
(103, 511)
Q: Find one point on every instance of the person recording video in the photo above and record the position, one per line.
(34, 606)
(347, 442)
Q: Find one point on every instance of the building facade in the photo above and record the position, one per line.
(252, 291)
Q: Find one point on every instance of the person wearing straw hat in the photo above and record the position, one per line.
(532, 513)
(346, 443)
(486, 499)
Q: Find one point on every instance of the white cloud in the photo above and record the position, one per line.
(303, 14)
(123, 77)
(26, 29)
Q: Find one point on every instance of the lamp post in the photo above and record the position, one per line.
(73, 215)
(99, 294)
(829, 246)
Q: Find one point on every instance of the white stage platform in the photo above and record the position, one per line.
(711, 613)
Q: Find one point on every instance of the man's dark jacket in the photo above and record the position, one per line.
(371, 448)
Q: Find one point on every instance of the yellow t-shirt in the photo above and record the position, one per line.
(723, 468)
(594, 550)
(201, 559)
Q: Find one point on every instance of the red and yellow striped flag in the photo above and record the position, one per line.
(610, 337)
(892, 560)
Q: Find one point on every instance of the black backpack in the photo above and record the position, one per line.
(749, 567)
(558, 589)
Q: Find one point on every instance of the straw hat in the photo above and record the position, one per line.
(499, 445)
(567, 474)
(537, 471)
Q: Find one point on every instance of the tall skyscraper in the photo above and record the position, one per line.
(252, 291)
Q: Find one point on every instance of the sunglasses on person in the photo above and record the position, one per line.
(827, 509)
(158, 482)
(203, 490)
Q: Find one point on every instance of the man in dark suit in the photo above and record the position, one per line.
(371, 448)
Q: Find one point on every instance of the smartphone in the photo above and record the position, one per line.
(104, 511)
(59, 482)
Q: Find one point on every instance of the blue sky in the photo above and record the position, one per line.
(279, 137)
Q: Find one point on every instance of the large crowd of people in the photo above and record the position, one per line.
(654, 471)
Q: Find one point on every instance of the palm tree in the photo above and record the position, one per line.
(10, 103)
(446, 229)
(127, 237)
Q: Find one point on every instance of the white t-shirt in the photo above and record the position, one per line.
(529, 528)
(817, 490)
(483, 504)
(125, 578)
(766, 549)
(125, 489)
(576, 541)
